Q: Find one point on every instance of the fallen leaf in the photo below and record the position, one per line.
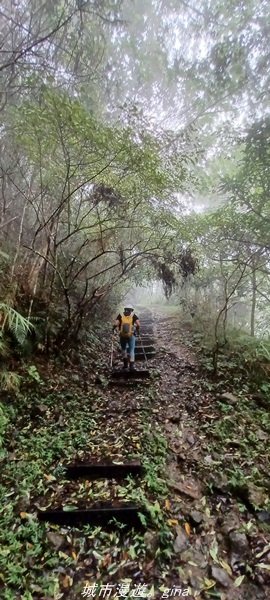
(208, 583)
(213, 552)
(67, 581)
(149, 565)
(187, 528)
(132, 552)
(263, 566)
(167, 505)
(24, 515)
(266, 548)
(50, 477)
(63, 555)
(225, 566)
(97, 555)
(239, 580)
(172, 522)
(107, 560)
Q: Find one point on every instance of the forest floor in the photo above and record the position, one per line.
(204, 493)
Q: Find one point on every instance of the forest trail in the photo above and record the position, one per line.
(220, 548)
(204, 535)
(222, 543)
(207, 527)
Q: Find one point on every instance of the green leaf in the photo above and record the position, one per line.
(97, 555)
(132, 552)
(266, 548)
(263, 566)
(213, 551)
(142, 519)
(238, 581)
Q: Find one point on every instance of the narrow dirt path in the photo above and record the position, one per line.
(222, 549)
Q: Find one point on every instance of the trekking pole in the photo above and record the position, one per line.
(145, 357)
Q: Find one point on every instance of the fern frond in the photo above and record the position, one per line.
(16, 323)
(3, 423)
(10, 381)
(4, 349)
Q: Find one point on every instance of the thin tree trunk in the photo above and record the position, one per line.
(253, 303)
(18, 243)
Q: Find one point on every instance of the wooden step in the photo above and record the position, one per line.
(105, 470)
(147, 331)
(127, 515)
(138, 374)
(128, 383)
(141, 355)
(144, 347)
(146, 339)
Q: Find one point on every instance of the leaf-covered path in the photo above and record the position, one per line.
(218, 476)
(203, 494)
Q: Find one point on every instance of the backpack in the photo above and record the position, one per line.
(126, 329)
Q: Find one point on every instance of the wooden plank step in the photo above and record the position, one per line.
(128, 383)
(127, 515)
(146, 340)
(146, 348)
(138, 374)
(140, 351)
(103, 470)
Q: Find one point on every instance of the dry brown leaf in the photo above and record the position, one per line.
(50, 477)
(106, 560)
(149, 566)
(67, 581)
(172, 521)
(187, 528)
(24, 515)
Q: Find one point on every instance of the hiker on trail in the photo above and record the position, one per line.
(128, 326)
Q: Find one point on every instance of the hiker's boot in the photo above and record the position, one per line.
(132, 367)
(125, 364)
